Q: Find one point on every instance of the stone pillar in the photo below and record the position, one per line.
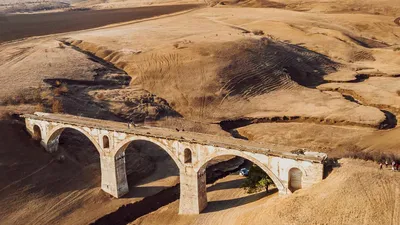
(52, 145)
(113, 174)
(193, 198)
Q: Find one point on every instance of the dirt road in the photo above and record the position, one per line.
(18, 26)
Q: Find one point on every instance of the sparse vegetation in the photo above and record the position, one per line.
(60, 89)
(372, 156)
(26, 96)
(396, 49)
(43, 99)
(40, 108)
(57, 106)
(257, 180)
(100, 96)
(258, 32)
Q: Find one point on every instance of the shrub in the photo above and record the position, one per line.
(258, 32)
(398, 92)
(61, 89)
(257, 180)
(100, 96)
(396, 49)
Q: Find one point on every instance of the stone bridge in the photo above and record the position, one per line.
(190, 151)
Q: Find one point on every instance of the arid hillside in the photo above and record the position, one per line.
(322, 75)
(241, 66)
(347, 196)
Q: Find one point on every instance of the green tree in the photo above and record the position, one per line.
(257, 180)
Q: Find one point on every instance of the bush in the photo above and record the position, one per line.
(257, 180)
(61, 89)
(258, 32)
(100, 96)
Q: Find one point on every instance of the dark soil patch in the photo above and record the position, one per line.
(17, 26)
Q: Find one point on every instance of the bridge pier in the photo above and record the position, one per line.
(113, 174)
(193, 193)
(51, 145)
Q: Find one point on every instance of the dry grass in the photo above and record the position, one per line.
(60, 89)
(42, 98)
(40, 108)
(57, 106)
(372, 156)
(26, 96)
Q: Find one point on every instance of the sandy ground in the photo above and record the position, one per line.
(227, 84)
(322, 76)
(356, 193)
(375, 91)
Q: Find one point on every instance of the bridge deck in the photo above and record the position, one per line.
(184, 136)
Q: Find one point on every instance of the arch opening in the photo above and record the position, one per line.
(295, 179)
(106, 142)
(77, 154)
(274, 178)
(187, 156)
(149, 165)
(77, 147)
(231, 182)
(37, 134)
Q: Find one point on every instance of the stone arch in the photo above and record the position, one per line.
(187, 156)
(278, 183)
(37, 132)
(124, 144)
(55, 133)
(295, 179)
